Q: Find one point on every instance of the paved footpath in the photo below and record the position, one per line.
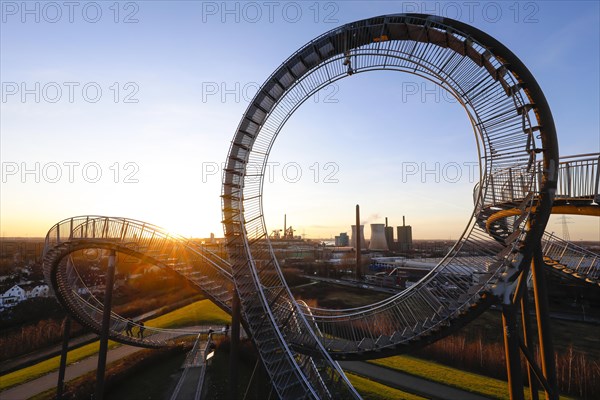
(48, 381)
(395, 379)
(74, 370)
(52, 351)
(408, 383)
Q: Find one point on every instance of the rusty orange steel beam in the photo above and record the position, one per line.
(572, 209)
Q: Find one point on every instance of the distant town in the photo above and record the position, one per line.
(390, 260)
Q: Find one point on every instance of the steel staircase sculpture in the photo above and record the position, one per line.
(299, 345)
(571, 260)
(212, 275)
(577, 193)
(512, 124)
(206, 271)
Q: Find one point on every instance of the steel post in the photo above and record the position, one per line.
(234, 345)
(60, 386)
(358, 245)
(513, 352)
(526, 322)
(544, 326)
(100, 371)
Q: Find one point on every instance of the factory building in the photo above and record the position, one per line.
(382, 238)
(389, 235)
(405, 241)
(342, 240)
(362, 237)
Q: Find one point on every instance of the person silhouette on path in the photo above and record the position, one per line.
(129, 327)
(141, 331)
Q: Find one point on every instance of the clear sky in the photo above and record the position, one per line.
(127, 109)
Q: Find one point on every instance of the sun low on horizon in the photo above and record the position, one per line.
(135, 124)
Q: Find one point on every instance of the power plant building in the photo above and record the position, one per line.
(378, 239)
(342, 240)
(405, 242)
(362, 237)
(389, 235)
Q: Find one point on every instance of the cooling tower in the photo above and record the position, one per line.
(362, 237)
(378, 240)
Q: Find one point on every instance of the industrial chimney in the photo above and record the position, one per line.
(405, 236)
(389, 235)
(362, 237)
(378, 240)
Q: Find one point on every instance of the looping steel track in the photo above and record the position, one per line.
(513, 127)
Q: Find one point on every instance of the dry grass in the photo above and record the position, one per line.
(85, 385)
(200, 312)
(31, 337)
(577, 373)
(49, 365)
(468, 381)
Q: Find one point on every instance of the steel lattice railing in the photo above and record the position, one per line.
(504, 116)
(578, 180)
(571, 259)
(205, 270)
(298, 345)
(577, 193)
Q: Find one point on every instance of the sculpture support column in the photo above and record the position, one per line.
(100, 371)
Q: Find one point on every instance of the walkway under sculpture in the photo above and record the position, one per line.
(513, 200)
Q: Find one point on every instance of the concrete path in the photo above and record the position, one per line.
(55, 350)
(75, 370)
(49, 381)
(49, 352)
(395, 379)
(408, 383)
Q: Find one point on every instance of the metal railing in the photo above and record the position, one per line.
(504, 120)
(571, 259)
(201, 267)
(196, 358)
(578, 179)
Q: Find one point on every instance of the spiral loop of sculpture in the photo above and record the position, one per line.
(299, 346)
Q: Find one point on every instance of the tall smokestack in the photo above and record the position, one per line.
(386, 222)
(358, 243)
(353, 237)
(284, 225)
(403, 221)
